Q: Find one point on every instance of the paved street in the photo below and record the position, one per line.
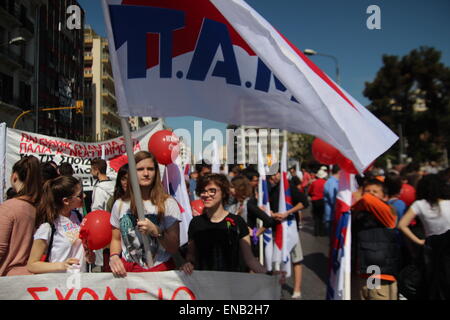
(315, 263)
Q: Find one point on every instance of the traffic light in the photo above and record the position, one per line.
(79, 106)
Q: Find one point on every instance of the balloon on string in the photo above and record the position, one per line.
(96, 230)
(164, 145)
(324, 152)
(197, 207)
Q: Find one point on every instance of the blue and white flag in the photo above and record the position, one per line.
(286, 234)
(340, 252)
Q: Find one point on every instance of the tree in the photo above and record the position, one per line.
(299, 146)
(413, 93)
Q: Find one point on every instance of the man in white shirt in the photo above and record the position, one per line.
(103, 190)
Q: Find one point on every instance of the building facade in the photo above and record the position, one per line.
(60, 61)
(40, 66)
(17, 61)
(101, 116)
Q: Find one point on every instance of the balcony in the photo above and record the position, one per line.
(109, 134)
(88, 73)
(88, 58)
(108, 95)
(112, 117)
(107, 77)
(105, 57)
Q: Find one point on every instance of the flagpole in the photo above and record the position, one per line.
(261, 243)
(135, 185)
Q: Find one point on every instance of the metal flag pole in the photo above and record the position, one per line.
(135, 185)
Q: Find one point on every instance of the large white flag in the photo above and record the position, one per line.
(221, 60)
(263, 201)
(173, 181)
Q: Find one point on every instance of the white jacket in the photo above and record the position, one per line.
(103, 190)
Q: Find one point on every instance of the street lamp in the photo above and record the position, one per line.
(311, 52)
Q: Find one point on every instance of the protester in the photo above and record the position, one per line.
(330, 192)
(49, 171)
(17, 217)
(299, 202)
(432, 207)
(103, 187)
(374, 243)
(296, 183)
(103, 190)
(248, 209)
(161, 224)
(56, 246)
(120, 188)
(218, 240)
(306, 180)
(316, 193)
(203, 169)
(252, 176)
(193, 176)
(234, 171)
(393, 184)
(65, 169)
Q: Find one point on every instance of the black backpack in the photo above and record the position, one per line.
(46, 256)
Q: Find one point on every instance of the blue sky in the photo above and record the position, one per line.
(339, 28)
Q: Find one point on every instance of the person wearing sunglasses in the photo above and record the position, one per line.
(218, 239)
(56, 246)
(160, 226)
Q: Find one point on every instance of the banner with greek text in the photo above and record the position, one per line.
(169, 285)
(78, 154)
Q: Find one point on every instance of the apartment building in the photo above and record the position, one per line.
(101, 117)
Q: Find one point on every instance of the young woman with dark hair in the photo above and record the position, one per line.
(161, 224)
(218, 239)
(120, 188)
(432, 207)
(56, 246)
(248, 209)
(17, 216)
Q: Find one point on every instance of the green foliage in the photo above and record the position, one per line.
(299, 146)
(414, 92)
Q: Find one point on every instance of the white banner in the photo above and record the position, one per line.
(169, 285)
(78, 154)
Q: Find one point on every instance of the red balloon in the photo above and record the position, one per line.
(96, 230)
(324, 153)
(407, 194)
(346, 165)
(197, 207)
(165, 146)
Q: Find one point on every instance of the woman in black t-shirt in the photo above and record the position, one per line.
(218, 239)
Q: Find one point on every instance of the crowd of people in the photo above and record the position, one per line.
(400, 223)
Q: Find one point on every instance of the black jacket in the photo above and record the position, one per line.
(374, 244)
